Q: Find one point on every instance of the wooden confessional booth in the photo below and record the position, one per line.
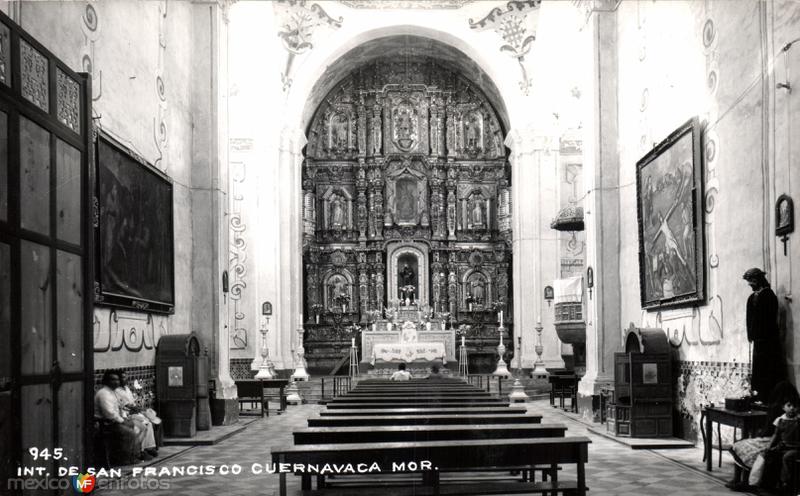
(182, 385)
(643, 401)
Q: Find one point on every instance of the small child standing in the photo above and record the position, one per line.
(781, 455)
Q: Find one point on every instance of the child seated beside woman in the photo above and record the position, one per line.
(771, 460)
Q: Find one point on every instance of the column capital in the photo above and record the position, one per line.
(531, 138)
(292, 140)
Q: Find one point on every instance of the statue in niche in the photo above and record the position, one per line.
(477, 213)
(477, 288)
(473, 132)
(377, 135)
(339, 131)
(337, 286)
(407, 281)
(406, 198)
(337, 212)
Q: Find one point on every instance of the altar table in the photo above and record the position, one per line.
(408, 352)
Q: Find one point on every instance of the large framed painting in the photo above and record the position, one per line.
(135, 266)
(669, 183)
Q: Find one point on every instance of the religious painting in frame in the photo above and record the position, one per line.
(669, 186)
(134, 235)
(784, 215)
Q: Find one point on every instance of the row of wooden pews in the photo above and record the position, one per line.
(430, 427)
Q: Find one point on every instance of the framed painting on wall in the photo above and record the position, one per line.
(135, 265)
(669, 186)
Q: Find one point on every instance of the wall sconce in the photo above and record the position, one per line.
(590, 280)
(549, 294)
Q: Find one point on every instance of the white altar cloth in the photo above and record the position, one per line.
(408, 352)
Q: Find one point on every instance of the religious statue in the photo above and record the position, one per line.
(376, 133)
(337, 212)
(477, 214)
(478, 287)
(407, 276)
(407, 284)
(768, 366)
(337, 286)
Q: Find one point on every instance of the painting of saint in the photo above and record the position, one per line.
(669, 237)
(784, 216)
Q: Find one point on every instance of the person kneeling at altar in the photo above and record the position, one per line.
(436, 374)
(143, 418)
(122, 437)
(401, 374)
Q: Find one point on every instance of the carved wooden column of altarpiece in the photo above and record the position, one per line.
(405, 158)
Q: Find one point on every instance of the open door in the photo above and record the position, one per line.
(46, 366)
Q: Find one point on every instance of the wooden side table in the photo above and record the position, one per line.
(749, 422)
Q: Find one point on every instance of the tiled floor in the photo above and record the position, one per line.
(613, 469)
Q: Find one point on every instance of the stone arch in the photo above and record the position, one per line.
(321, 75)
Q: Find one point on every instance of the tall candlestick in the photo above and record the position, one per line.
(353, 342)
(501, 318)
(462, 340)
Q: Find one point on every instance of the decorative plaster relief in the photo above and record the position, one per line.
(91, 31)
(298, 24)
(405, 4)
(115, 329)
(238, 253)
(516, 29)
(160, 120)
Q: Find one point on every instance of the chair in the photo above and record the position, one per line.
(252, 392)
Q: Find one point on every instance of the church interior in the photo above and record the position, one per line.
(340, 247)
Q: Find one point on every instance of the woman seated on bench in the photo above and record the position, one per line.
(402, 374)
(771, 442)
(132, 411)
(124, 435)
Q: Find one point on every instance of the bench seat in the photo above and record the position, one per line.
(448, 432)
(466, 419)
(415, 399)
(449, 410)
(415, 404)
(442, 455)
(501, 488)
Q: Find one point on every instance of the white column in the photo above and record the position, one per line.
(290, 250)
(209, 190)
(534, 161)
(601, 207)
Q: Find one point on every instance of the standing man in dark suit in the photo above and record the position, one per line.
(768, 366)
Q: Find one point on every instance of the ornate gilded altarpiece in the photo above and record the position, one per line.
(406, 206)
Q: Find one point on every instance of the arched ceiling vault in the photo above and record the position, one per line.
(399, 47)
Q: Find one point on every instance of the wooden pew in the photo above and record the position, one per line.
(414, 399)
(498, 410)
(397, 419)
(444, 455)
(404, 433)
(396, 392)
(415, 404)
